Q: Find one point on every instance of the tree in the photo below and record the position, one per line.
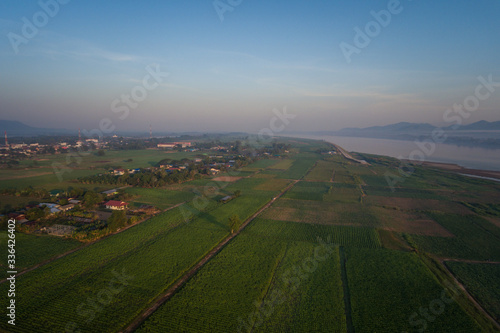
(100, 152)
(117, 219)
(237, 193)
(36, 213)
(234, 222)
(91, 199)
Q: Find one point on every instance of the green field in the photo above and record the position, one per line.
(158, 244)
(264, 164)
(389, 287)
(483, 283)
(282, 165)
(472, 238)
(32, 249)
(308, 191)
(161, 198)
(348, 255)
(260, 283)
(323, 171)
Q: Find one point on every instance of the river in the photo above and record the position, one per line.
(468, 157)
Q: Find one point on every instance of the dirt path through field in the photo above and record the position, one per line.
(174, 288)
(443, 260)
(471, 298)
(347, 293)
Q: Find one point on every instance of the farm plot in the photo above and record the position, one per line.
(32, 249)
(375, 180)
(161, 198)
(299, 167)
(304, 232)
(389, 287)
(282, 165)
(273, 185)
(301, 215)
(400, 192)
(342, 194)
(58, 294)
(322, 212)
(472, 240)
(308, 191)
(344, 177)
(409, 222)
(482, 282)
(263, 164)
(311, 292)
(323, 171)
(418, 204)
(260, 284)
(13, 201)
(46, 179)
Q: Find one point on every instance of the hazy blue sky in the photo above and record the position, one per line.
(229, 74)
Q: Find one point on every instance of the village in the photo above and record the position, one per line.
(87, 214)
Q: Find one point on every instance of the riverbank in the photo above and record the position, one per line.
(488, 174)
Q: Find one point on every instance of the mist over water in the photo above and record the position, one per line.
(469, 157)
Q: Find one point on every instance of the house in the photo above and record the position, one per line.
(118, 172)
(54, 208)
(165, 166)
(74, 201)
(67, 207)
(116, 205)
(110, 192)
(183, 144)
(226, 199)
(214, 171)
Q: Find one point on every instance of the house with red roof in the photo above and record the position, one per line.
(116, 205)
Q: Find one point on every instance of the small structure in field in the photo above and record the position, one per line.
(116, 205)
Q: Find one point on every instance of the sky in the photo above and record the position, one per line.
(233, 65)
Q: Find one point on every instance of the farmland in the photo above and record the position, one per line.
(338, 251)
(260, 283)
(408, 287)
(36, 249)
(481, 280)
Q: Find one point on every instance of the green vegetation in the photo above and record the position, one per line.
(161, 198)
(32, 249)
(481, 280)
(158, 244)
(308, 191)
(472, 240)
(259, 283)
(341, 255)
(388, 289)
(323, 171)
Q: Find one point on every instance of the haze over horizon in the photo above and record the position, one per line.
(228, 75)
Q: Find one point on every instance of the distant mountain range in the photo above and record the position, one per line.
(479, 134)
(405, 128)
(17, 128)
